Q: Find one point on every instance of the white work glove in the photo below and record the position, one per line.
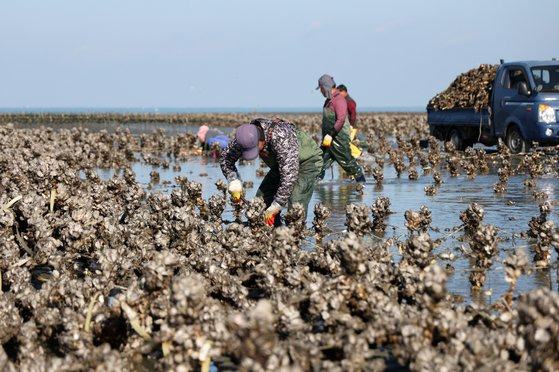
(236, 189)
(327, 140)
(271, 212)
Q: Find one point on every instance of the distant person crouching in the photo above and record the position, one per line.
(213, 145)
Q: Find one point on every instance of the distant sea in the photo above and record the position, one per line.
(189, 110)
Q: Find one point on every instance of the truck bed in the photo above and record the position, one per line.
(459, 116)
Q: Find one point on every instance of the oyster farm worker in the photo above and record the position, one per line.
(351, 105)
(335, 130)
(295, 161)
(352, 114)
(213, 144)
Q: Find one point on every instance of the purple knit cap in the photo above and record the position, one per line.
(247, 136)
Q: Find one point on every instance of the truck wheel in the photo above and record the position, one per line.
(438, 134)
(468, 143)
(456, 138)
(515, 142)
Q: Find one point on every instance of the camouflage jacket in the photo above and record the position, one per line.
(282, 144)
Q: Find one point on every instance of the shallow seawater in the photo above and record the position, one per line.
(510, 211)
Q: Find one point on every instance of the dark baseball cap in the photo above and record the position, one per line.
(248, 137)
(326, 82)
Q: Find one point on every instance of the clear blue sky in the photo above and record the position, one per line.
(258, 53)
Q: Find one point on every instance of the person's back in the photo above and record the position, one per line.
(351, 105)
(220, 139)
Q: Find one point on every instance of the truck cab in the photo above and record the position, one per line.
(525, 104)
(523, 109)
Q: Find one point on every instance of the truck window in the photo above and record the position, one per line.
(516, 76)
(503, 78)
(546, 78)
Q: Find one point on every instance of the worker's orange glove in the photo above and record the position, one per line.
(271, 212)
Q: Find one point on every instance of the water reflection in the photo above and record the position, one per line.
(542, 278)
(337, 196)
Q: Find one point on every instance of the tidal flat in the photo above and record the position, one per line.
(122, 250)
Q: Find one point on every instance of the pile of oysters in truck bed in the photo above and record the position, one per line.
(471, 89)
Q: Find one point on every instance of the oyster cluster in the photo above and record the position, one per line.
(380, 210)
(541, 229)
(472, 218)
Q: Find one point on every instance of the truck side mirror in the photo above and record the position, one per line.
(523, 89)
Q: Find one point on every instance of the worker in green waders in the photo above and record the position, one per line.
(295, 161)
(336, 130)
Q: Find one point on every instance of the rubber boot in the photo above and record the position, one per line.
(361, 179)
(320, 176)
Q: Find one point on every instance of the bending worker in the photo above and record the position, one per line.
(335, 130)
(294, 159)
(217, 143)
